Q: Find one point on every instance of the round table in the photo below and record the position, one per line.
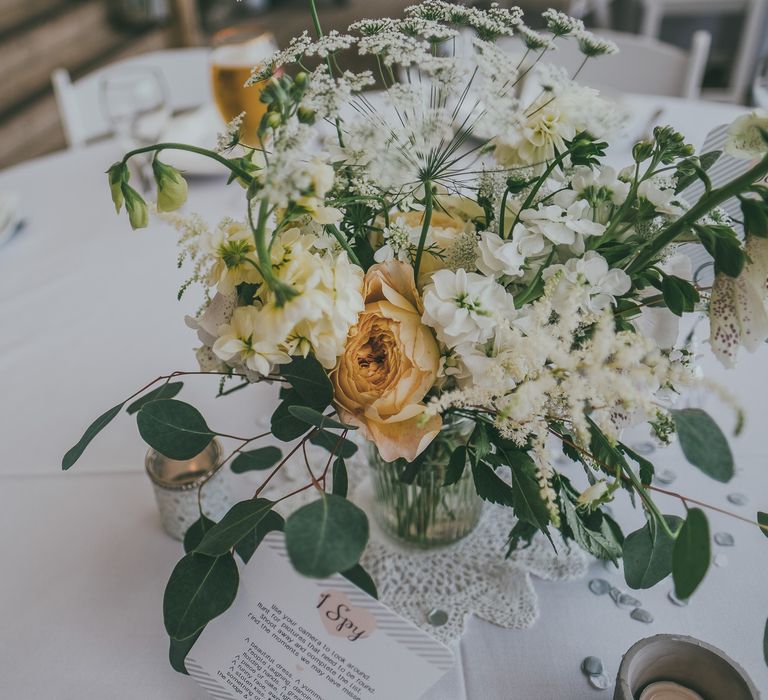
(89, 314)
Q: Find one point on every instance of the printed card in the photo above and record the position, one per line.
(287, 637)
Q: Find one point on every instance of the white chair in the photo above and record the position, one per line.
(752, 33)
(184, 73)
(643, 65)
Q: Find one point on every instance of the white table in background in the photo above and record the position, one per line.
(88, 313)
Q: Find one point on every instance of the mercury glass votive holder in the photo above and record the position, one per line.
(176, 484)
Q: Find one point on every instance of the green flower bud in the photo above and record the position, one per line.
(171, 186)
(301, 79)
(135, 206)
(305, 115)
(117, 174)
(274, 120)
(642, 150)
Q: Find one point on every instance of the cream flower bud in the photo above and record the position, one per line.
(593, 494)
(171, 186)
(117, 174)
(135, 206)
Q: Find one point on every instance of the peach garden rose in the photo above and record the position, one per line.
(389, 364)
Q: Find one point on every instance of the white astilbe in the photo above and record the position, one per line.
(544, 474)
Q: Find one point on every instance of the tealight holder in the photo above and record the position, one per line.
(176, 484)
(672, 667)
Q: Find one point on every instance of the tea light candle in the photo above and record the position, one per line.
(176, 483)
(668, 690)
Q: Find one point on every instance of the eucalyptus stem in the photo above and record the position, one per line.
(244, 174)
(424, 228)
(701, 208)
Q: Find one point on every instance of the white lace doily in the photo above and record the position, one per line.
(468, 577)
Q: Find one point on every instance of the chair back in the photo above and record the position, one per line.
(643, 65)
(184, 73)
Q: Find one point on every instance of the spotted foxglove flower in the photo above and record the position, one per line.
(738, 310)
(464, 307)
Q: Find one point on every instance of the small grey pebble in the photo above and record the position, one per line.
(608, 565)
(437, 617)
(680, 602)
(614, 593)
(600, 682)
(592, 666)
(720, 560)
(644, 448)
(665, 476)
(738, 499)
(627, 601)
(599, 586)
(641, 615)
(724, 539)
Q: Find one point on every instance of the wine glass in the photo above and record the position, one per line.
(134, 100)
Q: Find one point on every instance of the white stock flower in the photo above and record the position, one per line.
(500, 257)
(249, 340)
(464, 307)
(601, 188)
(233, 251)
(588, 279)
(746, 137)
(562, 226)
(660, 191)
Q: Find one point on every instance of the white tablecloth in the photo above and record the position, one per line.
(88, 314)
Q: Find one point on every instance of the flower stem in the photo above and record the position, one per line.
(243, 174)
(424, 228)
(344, 243)
(701, 208)
(283, 292)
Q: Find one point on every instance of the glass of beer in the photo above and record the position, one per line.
(236, 51)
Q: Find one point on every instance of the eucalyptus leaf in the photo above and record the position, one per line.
(340, 480)
(74, 453)
(240, 520)
(195, 532)
(691, 554)
(309, 380)
(261, 458)
(271, 522)
(174, 428)
(199, 589)
(362, 579)
(334, 443)
(285, 426)
(647, 554)
(166, 391)
(703, 443)
(312, 417)
(178, 650)
(456, 465)
(326, 536)
(762, 519)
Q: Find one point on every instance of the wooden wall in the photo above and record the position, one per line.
(37, 36)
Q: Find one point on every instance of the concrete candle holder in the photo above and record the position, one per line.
(690, 662)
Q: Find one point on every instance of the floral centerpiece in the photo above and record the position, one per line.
(445, 250)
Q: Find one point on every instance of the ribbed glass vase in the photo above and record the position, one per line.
(425, 513)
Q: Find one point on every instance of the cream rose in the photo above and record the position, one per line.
(389, 364)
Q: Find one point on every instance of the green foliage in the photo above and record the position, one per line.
(362, 579)
(199, 589)
(456, 465)
(178, 650)
(592, 531)
(646, 468)
(284, 425)
(722, 243)
(647, 553)
(166, 391)
(703, 443)
(239, 521)
(334, 443)
(271, 522)
(691, 553)
(174, 428)
(762, 519)
(679, 295)
(195, 532)
(326, 536)
(261, 458)
(340, 480)
(755, 213)
(74, 453)
(310, 381)
(520, 536)
(312, 417)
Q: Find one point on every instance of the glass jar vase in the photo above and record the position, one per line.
(424, 512)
